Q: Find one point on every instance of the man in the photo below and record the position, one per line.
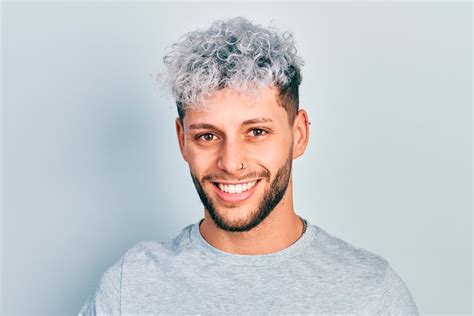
(239, 129)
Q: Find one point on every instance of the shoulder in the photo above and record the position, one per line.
(364, 271)
(396, 298)
(157, 251)
(356, 270)
(137, 260)
(336, 252)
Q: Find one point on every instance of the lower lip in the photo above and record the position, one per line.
(234, 197)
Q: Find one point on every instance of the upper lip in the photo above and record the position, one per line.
(230, 182)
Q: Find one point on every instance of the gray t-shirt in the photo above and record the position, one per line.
(319, 274)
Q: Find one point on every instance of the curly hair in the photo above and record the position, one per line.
(233, 54)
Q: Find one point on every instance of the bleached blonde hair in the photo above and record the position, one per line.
(234, 54)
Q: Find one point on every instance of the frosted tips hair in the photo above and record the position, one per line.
(232, 54)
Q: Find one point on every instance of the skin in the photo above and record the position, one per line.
(216, 141)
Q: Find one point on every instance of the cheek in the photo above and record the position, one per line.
(273, 154)
(199, 160)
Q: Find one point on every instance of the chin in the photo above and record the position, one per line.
(235, 223)
(235, 215)
(235, 218)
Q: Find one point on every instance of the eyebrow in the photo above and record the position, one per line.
(244, 123)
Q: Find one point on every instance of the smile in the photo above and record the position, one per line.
(234, 192)
(236, 188)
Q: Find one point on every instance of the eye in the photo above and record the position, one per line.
(257, 132)
(207, 137)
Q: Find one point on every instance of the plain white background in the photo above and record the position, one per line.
(90, 163)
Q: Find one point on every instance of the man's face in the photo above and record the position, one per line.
(235, 130)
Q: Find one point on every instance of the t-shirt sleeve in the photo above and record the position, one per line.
(106, 298)
(396, 298)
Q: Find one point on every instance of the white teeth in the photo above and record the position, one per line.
(236, 188)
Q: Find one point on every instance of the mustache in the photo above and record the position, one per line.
(225, 177)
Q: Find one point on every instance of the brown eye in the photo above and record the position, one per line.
(258, 132)
(207, 137)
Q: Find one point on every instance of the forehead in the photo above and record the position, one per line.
(228, 107)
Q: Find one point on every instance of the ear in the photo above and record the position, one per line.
(301, 133)
(181, 137)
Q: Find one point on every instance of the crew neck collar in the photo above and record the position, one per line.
(252, 260)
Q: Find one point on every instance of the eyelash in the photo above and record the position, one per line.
(263, 133)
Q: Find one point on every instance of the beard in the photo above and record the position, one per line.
(271, 197)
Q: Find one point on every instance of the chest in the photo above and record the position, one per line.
(219, 289)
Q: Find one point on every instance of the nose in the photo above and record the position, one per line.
(231, 157)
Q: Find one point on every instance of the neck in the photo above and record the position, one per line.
(280, 229)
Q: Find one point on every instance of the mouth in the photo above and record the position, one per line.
(234, 192)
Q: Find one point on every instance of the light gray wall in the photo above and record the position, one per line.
(91, 165)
